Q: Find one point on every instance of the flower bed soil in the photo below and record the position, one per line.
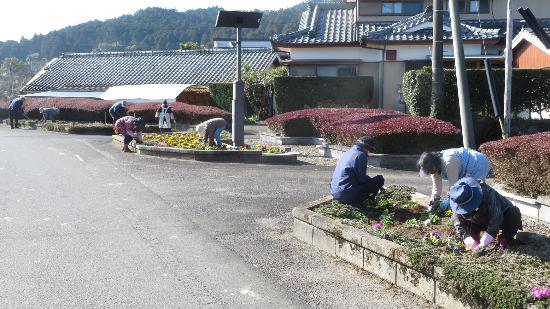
(491, 278)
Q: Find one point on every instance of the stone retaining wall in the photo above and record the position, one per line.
(239, 156)
(378, 256)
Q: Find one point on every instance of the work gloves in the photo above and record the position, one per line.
(485, 240)
(470, 243)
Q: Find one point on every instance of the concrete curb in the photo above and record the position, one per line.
(378, 256)
(528, 206)
(392, 161)
(272, 138)
(237, 156)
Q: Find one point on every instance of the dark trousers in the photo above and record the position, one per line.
(364, 191)
(14, 115)
(511, 224)
(114, 116)
(127, 139)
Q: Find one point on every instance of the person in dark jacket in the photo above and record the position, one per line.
(118, 110)
(48, 113)
(478, 207)
(211, 130)
(16, 110)
(350, 183)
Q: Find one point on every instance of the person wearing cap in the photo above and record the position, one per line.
(131, 128)
(478, 207)
(452, 164)
(211, 130)
(118, 110)
(16, 111)
(350, 183)
(165, 116)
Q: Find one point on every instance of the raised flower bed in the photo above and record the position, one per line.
(189, 145)
(389, 238)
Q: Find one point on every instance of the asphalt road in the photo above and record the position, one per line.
(84, 225)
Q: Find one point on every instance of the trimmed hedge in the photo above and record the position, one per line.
(195, 95)
(531, 91)
(221, 95)
(522, 162)
(70, 109)
(183, 112)
(394, 132)
(296, 93)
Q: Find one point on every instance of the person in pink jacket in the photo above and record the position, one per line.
(131, 128)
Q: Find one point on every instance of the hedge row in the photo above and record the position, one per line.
(183, 112)
(90, 110)
(296, 93)
(394, 132)
(522, 162)
(531, 91)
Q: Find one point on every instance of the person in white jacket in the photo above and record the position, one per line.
(165, 116)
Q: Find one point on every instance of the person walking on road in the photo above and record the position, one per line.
(118, 110)
(452, 165)
(211, 130)
(16, 111)
(478, 207)
(350, 183)
(165, 115)
(130, 128)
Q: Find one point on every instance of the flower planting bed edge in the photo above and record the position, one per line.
(240, 156)
(378, 256)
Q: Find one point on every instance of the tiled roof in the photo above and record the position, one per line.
(334, 24)
(323, 23)
(99, 71)
(419, 28)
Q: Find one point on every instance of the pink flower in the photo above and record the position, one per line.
(377, 225)
(540, 294)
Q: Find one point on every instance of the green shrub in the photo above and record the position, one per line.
(222, 95)
(296, 93)
(531, 92)
(417, 91)
(258, 86)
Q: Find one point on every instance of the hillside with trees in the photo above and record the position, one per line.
(147, 29)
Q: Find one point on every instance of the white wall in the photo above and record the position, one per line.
(404, 52)
(336, 53)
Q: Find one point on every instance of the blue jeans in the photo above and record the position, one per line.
(217, 136)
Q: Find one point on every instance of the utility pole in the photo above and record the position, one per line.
(437, 60)
(462, 80)
(508, 71)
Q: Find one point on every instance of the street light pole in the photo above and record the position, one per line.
(462, 79)
(238, 99)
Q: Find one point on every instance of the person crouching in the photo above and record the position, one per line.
(131, 128)
(478, 207)
(211, 130)
(350, 183)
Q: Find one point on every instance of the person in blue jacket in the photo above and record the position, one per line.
(118, 110)
(16, 110)
(350, 183)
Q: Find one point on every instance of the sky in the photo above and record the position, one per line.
(25, 18)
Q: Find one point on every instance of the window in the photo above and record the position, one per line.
(336, 70)
(472, 6)
(401, 8)
(391, 54)
(303, 70)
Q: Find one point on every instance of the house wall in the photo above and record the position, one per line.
(497, 10)
(528, 56)
(336, 53)
(393, 78)
(372, 69)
